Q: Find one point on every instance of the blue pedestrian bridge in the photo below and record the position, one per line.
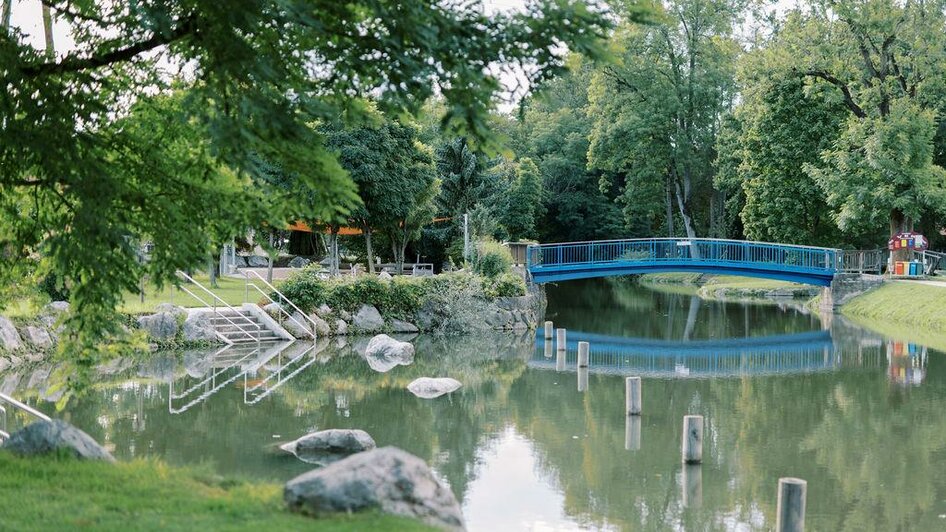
(582, 260)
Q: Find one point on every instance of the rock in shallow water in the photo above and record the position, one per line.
(47, 437)
(428, 388)
(388, 479)
(327, 446)
(385, 353)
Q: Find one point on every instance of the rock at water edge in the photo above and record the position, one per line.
(327, 446)
(389, 479)
(399, 326)
(161, 326)
(368, 319)
(198, 328)
(9, 338)
(297, 326)
(428, 388)
(47, 437)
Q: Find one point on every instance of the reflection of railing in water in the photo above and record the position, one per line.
(249, 390)
(211, 380)
(779, 354)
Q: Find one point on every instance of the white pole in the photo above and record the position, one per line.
(633, 396)
(548, 349)
(560, 340)
(582, 379)
(790, 512)
(548, 330)
(583, 354)
(632, 433)
(692, 439)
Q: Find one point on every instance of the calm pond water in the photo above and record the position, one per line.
(858, 416)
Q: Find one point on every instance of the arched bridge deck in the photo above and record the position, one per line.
(582, 260)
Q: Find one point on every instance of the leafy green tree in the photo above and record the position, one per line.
(782, 126)
(524, 201)
(657, 111)
(886, 60)
(74, 183)
(554, 134)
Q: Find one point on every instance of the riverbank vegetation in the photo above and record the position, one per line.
(726, 286)
(903, 309)
(66, 494)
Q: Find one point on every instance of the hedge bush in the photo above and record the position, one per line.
(505, 285)
(492, 259)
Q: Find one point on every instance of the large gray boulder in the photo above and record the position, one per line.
(385, 353)
(327, 446)
(47, 437)
(297, 326)
(198, 328)
(9, 338)
(160, 326)
(321, 326)
(341, 327)
(368, 319)
(299, 262)
(388, 479)
(36, 336)
(179, 313)
(255, 261)
(428, 388)
(399, 326)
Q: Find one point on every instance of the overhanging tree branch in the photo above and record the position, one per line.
(848, 98)
(76, 63)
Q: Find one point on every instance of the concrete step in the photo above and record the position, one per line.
(269, 337)
(248, 327)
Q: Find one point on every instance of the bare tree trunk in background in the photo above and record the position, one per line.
(370, 250)
(683, 203)
(669, 211)
(48, 31)
(212, 271)
(269, 263)
(6, 14)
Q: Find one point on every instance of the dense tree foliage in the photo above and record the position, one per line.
(258, 76)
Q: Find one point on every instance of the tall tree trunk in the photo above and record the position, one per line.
(269, 262)
(48, 31)
(669, 210)
(212, 271)
(900, 223)
(5, 14)
(370, 249)
(683, 203)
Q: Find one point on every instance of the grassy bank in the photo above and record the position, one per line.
(66, 494)
(904, 310)
(725, 286)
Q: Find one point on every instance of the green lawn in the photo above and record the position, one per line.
(66, 494)
(904, 310)
(230, 290)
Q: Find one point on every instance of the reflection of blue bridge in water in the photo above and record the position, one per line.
(779, 354)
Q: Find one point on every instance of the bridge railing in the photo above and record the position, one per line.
(702, 250)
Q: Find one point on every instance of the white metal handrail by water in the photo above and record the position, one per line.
(217, 299)
(210, 380)
(312, 325)
(4, 398)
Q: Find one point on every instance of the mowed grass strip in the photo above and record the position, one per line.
(58, 493)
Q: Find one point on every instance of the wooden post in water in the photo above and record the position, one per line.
(692, 483)
(692, 439)
(583, 352)
(582, 379)
(632, 433)
(548, 330)
(790, 513)
(633, 396)
(560, 340)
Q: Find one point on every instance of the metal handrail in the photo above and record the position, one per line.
(246, 274)
(211, 379)
(214, 307)
(4, 434)
(282, 310)
(247, 389)
(676, 239)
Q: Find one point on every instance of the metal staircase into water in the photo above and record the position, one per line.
(238, 326)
